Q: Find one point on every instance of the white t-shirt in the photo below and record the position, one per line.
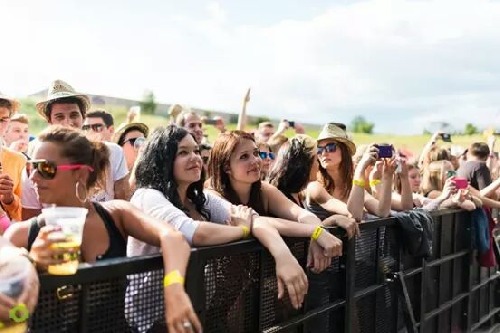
(154, 203)
(118, 170)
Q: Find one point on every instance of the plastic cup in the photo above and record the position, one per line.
(71, 220)
(12, 279)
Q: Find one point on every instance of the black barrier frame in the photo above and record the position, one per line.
(378, 288)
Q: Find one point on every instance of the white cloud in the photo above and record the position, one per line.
(395, 61)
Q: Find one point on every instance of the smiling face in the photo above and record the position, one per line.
(187, 164)
(245, 163)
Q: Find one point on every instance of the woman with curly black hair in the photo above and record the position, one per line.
(169, 180)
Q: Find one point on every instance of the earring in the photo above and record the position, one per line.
(77, 192)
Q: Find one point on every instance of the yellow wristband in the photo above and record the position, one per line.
(375, 182)
(317, 232)
(358, 182)
(246, 231)
(172, 278)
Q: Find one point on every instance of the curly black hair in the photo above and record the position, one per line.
(155, 169)
(290, 173)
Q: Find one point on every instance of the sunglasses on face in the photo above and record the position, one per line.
(329, 148)
(48, 169)
(94, 127)
(264, 154)
(136, 142)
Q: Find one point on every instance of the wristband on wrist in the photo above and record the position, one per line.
(317, 232)
(246, 231)
(173, 277)
(359, 182)
(375, 182)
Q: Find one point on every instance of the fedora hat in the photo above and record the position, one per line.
(15, 105)
(127, 127)
(332, 131)
(57, 90)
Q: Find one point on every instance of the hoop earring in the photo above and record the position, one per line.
(77, 192)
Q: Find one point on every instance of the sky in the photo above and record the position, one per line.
(405, 65)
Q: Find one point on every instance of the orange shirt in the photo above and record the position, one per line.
(13, 164)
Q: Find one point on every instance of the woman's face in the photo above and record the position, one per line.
(266, 162)
(245, 163)
(187, 164)
(61, 188)
(414, 176)
(329, 154)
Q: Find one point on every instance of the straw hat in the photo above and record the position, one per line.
(333, 132)
(60, 89)
(127, 127)
(13, 102)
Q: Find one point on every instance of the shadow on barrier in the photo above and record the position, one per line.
(374, 287)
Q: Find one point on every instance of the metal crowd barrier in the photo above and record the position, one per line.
(373, 287)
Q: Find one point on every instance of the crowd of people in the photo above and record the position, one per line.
(169, 189)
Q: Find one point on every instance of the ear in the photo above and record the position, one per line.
(111, 129)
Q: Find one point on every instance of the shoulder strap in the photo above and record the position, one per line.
(33, 232)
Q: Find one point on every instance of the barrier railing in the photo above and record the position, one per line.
(373, 287)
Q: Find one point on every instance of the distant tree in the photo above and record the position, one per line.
(260, 119)
(233, 119)
(361, 125)
(470, 129)
(148, 104)
(207, 114)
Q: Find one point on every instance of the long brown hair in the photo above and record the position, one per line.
(220, 155)
(346, 171)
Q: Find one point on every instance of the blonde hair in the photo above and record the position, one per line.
(20, 118)
(433, 176)
(275, 142)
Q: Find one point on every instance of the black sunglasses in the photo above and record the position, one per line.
(264, 154)
(329, 148)
(135, 142)
(94, 127)
(48, 169)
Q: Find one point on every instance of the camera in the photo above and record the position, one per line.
(446, 137)
(384, 150)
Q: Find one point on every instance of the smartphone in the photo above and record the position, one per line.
(461, 183)
(446, 137)
(384, 151)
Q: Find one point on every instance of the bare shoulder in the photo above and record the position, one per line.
(17, 233)
(316, 192)
(118, 208)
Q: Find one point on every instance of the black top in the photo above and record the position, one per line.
(117, 244)
(476, 172)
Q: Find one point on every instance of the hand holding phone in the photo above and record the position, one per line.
(446, 137)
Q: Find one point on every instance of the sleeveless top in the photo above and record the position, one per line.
(317, 210)
(104, 298)
(117, 244)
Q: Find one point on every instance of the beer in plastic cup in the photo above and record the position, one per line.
(71, 221)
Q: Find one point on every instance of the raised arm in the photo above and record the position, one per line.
(242, 118)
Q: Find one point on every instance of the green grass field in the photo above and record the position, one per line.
(413, 143)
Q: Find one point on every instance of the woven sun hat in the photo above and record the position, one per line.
(60, 89)
(332, 131)
(13, 102)
(123, 129)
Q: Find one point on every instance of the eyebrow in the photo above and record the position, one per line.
(187, 147)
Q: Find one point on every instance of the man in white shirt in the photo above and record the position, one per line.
(64, 106)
